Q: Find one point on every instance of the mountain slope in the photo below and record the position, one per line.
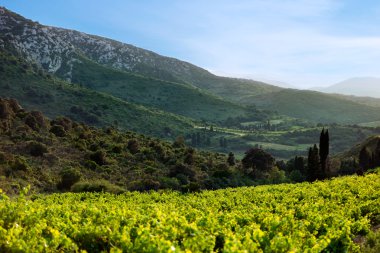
(54, 97)
(56, 50)
(315, 106)
(359, 86)
(101, 64)
(51, 48)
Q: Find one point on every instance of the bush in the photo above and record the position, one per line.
(145, 185)
(19, 163)
(133, 146)
(69, 177)
(64, 122)
(37, 148)
(58, 131)
(97, 186)
(35, 120)
(99, 157)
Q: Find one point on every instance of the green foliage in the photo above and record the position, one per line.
(131, 160)
(19, 163)
(97, 186)
(319, 217)
(59, 131)
(36, 148)
(258, 161)
(99, 157)
(69, 177)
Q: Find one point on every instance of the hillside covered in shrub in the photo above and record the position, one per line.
(62, 155)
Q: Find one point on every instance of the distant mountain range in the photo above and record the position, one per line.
(358, 86)
(90, 67)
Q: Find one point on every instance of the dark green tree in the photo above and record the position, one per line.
(376, 155)
(364, 160)
(313, 165)
(299, 164)
(324, 143)
(231, 159)
(257, 161)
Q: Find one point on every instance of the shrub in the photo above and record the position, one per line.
(99, 157)
(37, 148)
(97, 186)
(64, 122)
(69, 177)
(133, 146)
(145, 185)
(58, 131)
(19, 163)
(3, 157)
(35, 120)
(117, 149)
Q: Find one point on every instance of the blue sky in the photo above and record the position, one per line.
(301, 42)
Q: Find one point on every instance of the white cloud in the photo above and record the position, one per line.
(285, 40)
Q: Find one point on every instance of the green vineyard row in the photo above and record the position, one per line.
(322, 216)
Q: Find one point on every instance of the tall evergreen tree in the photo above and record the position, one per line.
(376, 155)
(364, 159)
(313, 164)
(324, 142)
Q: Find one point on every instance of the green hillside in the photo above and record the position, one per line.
(315, 106)
(168, 96)
(54, 97)
(52, 155)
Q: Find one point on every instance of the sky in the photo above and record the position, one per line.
(303, 43)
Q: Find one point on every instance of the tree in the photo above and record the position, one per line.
(376, 155)
(364, 159)
(231, 159)
(299, 164)
(313, 165)
(258, 161)
(324, 140)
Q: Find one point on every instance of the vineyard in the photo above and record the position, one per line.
(323, 216)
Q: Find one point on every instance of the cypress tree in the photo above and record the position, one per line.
(324, 140)
(376, 158)
(313, 164)
(364, 159)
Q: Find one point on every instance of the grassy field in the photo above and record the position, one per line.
(326, 216)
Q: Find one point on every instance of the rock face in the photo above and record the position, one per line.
(57, 49)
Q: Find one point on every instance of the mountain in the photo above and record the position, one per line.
(359, 86)
(54, 97)
(315, 106)
(90, 61)
(145, 78)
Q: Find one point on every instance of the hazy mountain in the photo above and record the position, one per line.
(315, 106)
(359, 86)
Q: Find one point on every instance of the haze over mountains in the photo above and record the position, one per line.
(358, 86)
